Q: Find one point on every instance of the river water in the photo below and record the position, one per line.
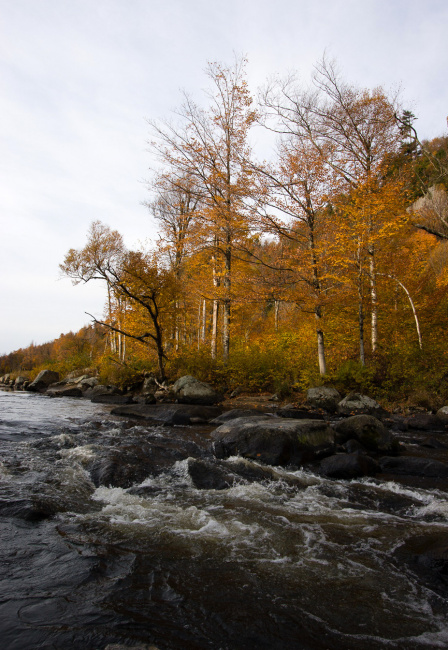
(301, 562)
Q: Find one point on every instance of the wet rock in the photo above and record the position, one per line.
(43, 380)
(411, 466)
(273, 441)
(168, 414)
(101, 389)
(188, 390)
(367, 430)
(357, 404)
(323, 397)
(67, 391)
(236, 413)
(209, 475)
(133, 462)
(424, 422)
(433, 443)
(349, 466)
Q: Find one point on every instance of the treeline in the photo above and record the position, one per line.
(326, 262)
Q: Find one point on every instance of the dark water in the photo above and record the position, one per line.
(319, 564)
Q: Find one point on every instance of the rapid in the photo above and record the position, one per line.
(299, 562)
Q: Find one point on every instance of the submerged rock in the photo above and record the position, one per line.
(273, 441)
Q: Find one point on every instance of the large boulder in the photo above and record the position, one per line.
(236, 413)
(188, 390)
(357, 404)
(43, 380)
(323, 397)
(274, 441)
(20, 382)
(169, 414)
(349, 466)
(424, 422)
(367, 430)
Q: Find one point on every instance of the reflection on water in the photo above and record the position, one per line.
(300, 562)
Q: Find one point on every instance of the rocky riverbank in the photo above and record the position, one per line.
(338, 437)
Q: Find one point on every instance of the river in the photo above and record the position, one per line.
(299, 563)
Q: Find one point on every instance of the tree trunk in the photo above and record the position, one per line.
(214, 340)
(374, 300)
(204, 320)
(320, 342)
(276, 310)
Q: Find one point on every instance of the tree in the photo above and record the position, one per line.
(352, 129)
(209, 146)
(131, 275)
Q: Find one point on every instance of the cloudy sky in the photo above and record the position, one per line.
(79, 78)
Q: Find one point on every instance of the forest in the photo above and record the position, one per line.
(324, 261)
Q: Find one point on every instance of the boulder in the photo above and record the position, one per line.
(43, 380)
(349, 466)
(111, 398)
(274, 441)
(169, 414)
(236, 413)
(188, 390)
(442, 414)
(413, 466)
(357, 404)
(20, 383)
(67, 391)
(209, 475)
(323, 397)
(150, 386)
(367, 430)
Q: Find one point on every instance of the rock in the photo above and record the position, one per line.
(100, 389)
(67, 391)
(323, 397)
(209, 475)
(236, 413)
(43, 380)
(20, 383)
(352, 445)
(442, 414)
(188, 390)
(367, 430)
(168, 414)
(357, 404)
(220, 474)
(148, 398)
(273, 441)
(298, 414)
(76, 380)
(411, 466)
(424, 422)
(433, 443)
(132, 462)
(109, 398)
(349, 466)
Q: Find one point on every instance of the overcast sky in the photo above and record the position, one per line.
(79, 78)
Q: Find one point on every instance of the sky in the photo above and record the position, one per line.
(80, 78)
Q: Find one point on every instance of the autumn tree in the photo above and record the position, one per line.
(209, 146)
(134, 276)
(352, 129)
